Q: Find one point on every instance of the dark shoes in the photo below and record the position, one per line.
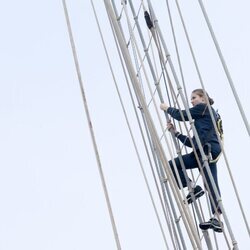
(198, 192)
(213, 224)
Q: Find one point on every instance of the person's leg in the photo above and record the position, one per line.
(215, 222)
(213, 200)
(189, 162)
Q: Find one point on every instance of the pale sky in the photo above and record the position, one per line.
(50, 190)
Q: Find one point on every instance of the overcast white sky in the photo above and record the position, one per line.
(50, 190)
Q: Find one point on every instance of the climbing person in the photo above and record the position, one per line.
(209, 140)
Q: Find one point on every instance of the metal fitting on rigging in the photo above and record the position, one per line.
(148, 20)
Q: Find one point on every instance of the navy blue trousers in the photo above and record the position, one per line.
(190, 162)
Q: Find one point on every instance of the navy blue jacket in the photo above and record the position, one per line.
(203, 124)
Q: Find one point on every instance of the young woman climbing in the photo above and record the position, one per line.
(209, 140)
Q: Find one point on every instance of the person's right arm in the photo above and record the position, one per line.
(196, 112)
(183, 138)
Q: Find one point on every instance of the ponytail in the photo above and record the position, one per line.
(200, 93)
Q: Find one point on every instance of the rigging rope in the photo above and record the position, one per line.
(230, 80)
(104, 186)
(129, 127)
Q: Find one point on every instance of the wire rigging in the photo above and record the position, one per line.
(104, 186)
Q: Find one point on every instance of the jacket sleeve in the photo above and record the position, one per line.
(184, 139)
(196, 112)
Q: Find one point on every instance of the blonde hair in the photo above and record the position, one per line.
(201, 93)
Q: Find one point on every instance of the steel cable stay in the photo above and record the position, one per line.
(103, 181)
(223, 62)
